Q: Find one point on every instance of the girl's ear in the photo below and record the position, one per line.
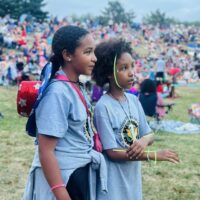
(66, 56)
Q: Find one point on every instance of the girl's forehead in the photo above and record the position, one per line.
(87, 41)
(125, 58)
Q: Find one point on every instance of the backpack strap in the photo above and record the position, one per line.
(31, 124)
(65, 78)
(96, 138)
(45, 78)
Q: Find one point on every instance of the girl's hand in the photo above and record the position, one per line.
(167, 155)
(135, 150)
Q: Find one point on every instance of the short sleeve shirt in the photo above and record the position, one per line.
(62, 114)
(118, 127)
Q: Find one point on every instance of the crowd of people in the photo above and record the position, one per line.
(25, 47)
(157, 55)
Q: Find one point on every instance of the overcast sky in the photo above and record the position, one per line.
(184, 10)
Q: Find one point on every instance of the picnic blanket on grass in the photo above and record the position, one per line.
(175, 127)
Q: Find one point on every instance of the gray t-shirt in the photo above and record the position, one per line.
(117, 128)
(62, 114)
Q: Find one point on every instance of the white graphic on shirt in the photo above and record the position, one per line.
(129, 131)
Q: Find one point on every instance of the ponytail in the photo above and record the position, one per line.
(55, 65)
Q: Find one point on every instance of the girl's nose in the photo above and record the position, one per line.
(131, 72)
(94, 58)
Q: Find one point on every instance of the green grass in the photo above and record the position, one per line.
(16, 148)
(164, 181)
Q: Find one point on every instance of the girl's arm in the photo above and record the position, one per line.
(160, 155)
(50, 165)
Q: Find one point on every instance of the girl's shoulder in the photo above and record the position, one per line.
(104, 104)
(58, 87)
(134, 101)
(61, 90)
(102, 101)
(106, 107)
(131, 97)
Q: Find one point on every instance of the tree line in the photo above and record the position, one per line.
(114, 12)
(16, 8)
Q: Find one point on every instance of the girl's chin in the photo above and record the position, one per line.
(88, 73)
(126, 88)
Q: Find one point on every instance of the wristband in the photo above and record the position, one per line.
(155, 154)
(57, 186)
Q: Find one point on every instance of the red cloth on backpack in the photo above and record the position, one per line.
(26, 96)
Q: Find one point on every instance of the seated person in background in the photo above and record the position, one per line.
(152, 101)
(165, 89)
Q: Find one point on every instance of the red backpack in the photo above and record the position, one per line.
(27, 98)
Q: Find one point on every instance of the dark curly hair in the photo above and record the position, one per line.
(105, 53)
(148, 86)
(66, 37)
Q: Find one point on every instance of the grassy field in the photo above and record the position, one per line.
(164, 181)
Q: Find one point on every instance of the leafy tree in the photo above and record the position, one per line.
(158, 17)
(82, 18)
(10, 7)
(74, 18)
(116, 13)
(33, 7)
(15, 8)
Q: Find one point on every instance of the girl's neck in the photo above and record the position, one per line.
(71, 74)
(116, 92)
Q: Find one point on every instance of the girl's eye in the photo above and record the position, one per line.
(124, 68)
(88, 52)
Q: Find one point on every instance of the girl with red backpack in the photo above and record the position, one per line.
(64, 156)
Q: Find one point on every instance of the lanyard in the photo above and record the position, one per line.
(128, 115)
(89, 113)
